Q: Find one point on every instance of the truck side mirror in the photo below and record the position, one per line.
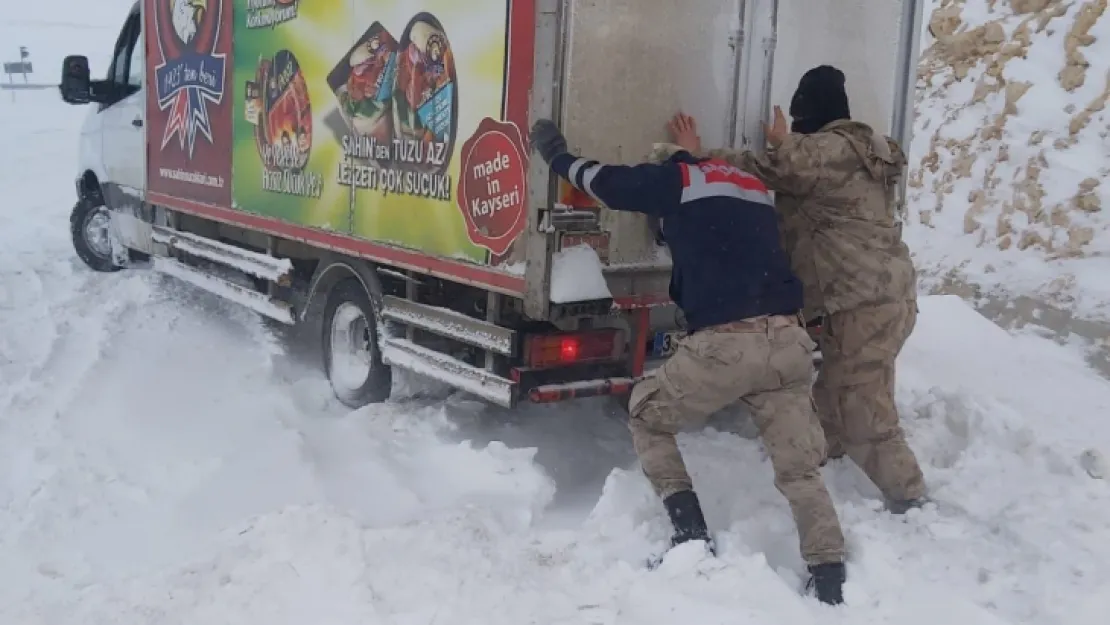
(76, 87)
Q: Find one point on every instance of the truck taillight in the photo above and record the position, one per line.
(542, 351)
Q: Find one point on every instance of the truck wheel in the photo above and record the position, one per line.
(352, 360)
(88, 227)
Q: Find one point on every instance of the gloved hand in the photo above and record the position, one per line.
(547, 140)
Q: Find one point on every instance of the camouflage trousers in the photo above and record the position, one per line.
(767, 364)
(854, 394)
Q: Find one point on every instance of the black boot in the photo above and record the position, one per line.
(833, 451)
(687, 518)
(827, 582)
(902, 506)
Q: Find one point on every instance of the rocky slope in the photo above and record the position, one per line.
(1010, 152)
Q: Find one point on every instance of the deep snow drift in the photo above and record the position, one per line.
(1009, 153)
(164, 462)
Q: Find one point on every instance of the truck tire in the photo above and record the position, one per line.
(88, 228)
(352, 360)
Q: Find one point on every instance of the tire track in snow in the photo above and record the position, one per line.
(91, 437)
(77, 341)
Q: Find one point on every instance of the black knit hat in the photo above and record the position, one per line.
(819, 100)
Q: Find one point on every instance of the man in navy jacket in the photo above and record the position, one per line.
(732, 280)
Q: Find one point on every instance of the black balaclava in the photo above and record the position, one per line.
(819, 100)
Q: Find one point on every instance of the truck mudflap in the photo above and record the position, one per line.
(551, 393)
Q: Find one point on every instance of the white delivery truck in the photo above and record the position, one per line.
(363, 165)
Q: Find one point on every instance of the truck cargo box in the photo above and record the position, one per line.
(398, 130)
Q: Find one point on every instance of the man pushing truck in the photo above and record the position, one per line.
(835, 180)
(746, 341)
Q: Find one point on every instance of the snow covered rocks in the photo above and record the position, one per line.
(1009, 150)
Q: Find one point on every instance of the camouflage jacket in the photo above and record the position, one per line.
(835, 197)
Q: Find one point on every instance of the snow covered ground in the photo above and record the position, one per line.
(163, 460)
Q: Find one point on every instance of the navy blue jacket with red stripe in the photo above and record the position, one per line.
(719, 223)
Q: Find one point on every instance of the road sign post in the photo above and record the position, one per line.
(22, 66)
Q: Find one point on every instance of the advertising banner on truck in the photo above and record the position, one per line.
(188, 116)
(398, 122)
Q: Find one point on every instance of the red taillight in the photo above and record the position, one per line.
(568, 349)
(551, 350)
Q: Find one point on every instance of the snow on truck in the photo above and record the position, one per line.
(363, 165)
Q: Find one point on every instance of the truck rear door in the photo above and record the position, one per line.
(875, 44)
(626, 66)
(629, 66)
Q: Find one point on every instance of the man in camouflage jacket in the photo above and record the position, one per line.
(835, 182)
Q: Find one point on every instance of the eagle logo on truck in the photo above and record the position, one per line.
(189, 75)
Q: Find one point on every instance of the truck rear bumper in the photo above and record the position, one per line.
(551, 393)
(601, 387)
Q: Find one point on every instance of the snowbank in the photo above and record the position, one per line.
(241, 501)
(1009, 151)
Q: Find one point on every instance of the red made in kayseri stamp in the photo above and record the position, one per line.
(492, 192)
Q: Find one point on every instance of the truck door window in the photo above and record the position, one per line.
(137, 63)
(120, 73)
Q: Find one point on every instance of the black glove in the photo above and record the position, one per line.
(547, 140)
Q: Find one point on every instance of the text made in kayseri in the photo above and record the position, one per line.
(496, 198)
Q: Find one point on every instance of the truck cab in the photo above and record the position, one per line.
(111, 166)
